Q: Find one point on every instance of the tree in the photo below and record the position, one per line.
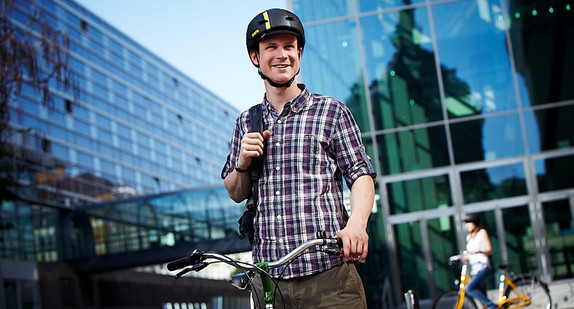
(32, 52)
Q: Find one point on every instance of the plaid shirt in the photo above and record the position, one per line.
(313, 144)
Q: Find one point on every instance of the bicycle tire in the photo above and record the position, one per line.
(534, 288)
(448, 300)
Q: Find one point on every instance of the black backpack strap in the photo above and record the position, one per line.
(256, 118)
(246, 224)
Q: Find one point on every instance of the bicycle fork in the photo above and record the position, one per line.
(464, 280)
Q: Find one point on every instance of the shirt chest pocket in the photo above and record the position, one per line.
(311, 156)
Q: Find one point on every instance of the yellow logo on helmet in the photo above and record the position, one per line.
(254, 33)
(267, 21)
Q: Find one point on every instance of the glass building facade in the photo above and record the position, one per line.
(465, 107)
(132, 125)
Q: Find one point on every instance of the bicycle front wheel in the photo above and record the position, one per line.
(448, 299)
(535, 290)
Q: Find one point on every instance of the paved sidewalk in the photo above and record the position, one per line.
(562, 293)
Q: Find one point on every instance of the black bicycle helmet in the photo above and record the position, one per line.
(273, 21)
(472, 218)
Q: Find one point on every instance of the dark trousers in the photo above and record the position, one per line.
(339, 287)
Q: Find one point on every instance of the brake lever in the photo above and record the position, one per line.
(183, 272)
(196, 267)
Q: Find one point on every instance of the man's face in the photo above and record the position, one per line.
(279, 57)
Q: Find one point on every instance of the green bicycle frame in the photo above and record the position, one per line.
(268, 293)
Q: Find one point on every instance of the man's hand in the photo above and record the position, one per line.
(355, 243)
(238, 185)
(251, 147)
(354, 235)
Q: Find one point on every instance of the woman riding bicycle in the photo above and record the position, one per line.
(478, 250)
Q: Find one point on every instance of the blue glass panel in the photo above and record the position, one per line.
(487, 139)
(374, 5)
(322, 9)
(332, 66)
(474, 57)
(493, 183)
(403, 91)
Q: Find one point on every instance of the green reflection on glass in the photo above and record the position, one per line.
(519, 239)
(413, 150)
(559, 237)
(419, 194)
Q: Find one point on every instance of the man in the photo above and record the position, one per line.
(310, 143)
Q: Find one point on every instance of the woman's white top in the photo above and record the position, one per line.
(477, 261)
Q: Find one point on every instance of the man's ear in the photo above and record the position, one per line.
(254, 57)
(300, 53)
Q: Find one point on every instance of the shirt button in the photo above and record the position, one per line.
(279, 217)
(281, 240)
(277, 167)
(278, 144)
(278, 120)
(277, 192)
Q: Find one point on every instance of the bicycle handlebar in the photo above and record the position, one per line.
(198, 259)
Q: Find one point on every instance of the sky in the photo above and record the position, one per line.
(203, 39)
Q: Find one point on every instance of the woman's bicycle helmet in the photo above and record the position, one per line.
(273, 21)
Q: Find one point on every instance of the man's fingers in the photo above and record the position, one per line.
(266, 134)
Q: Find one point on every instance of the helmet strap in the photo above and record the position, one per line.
(274, 84)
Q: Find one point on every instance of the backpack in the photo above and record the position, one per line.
(246, 225)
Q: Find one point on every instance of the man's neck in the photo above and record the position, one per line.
(277, 97)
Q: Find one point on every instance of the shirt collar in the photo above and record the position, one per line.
(296, 105)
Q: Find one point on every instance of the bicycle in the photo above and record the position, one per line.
(516, 291)
(198, 260)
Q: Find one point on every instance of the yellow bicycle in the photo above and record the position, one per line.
(523, 290)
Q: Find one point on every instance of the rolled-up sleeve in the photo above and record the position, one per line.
(233, 155)
(352, 157)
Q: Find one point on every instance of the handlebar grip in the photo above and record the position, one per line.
(180, 263)
(185, 261)
(339, 242)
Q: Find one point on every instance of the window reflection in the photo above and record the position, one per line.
(322, 9)
(487, 139)
(340, 56)
(413, 150)
(493, 183)
(542, 41)
(549, 129)
(555, 173)
(471, 43)
(373, 5)
(419, 194)
(411, 258)
(442, 235)
(560, 237)
(402, 75)
(519, 240)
